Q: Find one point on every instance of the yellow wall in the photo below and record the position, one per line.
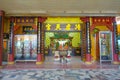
(93, 41)
(63, 20)
(118, 29)
(19, 30)
(6, 25)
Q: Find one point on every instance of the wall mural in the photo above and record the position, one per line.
(62, 40)
(76, 40)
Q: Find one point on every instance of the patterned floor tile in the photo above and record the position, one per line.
(60, 74)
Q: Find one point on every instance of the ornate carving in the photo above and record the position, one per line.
(41, 19)
(102, 21)
(85, 19)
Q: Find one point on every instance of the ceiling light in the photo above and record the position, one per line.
(38, 12)
(109, 12)
(73, 12)
(55, 11)
(91, 11)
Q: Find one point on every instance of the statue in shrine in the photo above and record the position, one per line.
(23, 51)
(31, 49)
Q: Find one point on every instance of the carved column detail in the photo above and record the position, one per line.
(1, 35)
(115, 43)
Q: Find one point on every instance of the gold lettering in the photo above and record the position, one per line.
(48, 26)
(57, 27)
(77, 27)
(68, 27)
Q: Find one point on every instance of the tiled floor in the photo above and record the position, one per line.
(60, 74)
(49, 63)
(51, 70)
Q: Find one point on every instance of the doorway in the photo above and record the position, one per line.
(61, 41)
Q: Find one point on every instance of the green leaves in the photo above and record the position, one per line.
(61, 35)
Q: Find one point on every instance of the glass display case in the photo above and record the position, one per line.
(119, 47)
(105, 44)
(25, 47)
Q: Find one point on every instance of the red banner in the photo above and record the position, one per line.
(103, 20)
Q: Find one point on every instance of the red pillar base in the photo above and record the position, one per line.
(1, 67)
(10, 59)
(39, 59)
(0, 56)
(88, 59)
(43, 57)
(116, 60)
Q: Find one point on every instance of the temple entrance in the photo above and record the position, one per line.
(101, 44)
(63, 38)
(25, 41)
(62, 44)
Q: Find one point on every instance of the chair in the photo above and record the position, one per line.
(68, 57)
(63, 55)
(56, 56)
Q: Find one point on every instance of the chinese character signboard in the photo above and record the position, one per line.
(62, 27)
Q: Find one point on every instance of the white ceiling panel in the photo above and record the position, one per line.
(60, 7)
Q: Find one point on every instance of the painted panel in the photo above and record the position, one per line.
(76, 40)
(105, 44)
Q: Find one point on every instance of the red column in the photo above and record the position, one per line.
(1, 35)
(88, 43)
(115, 53)
(86, 20)
(97, 47)
(39, 56)
(115, 43)
(40, 41)
(11, 42)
